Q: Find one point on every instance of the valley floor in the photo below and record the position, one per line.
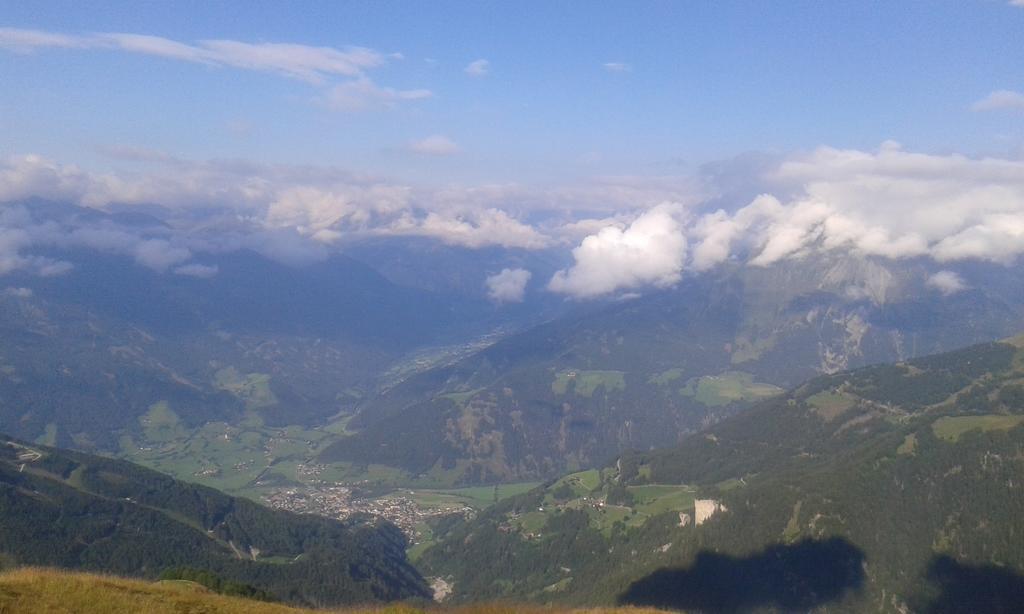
(57, 592)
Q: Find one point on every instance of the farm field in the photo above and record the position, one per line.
(654, 499)
(588, 491)
(728, 387)
(666, 377)
(585, 383)
(226, 457)
(477, 497)
(951, 428)
(830, 405)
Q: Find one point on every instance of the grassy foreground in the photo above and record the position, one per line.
(33, 590)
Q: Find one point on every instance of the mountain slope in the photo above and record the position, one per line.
(236, 332)
(121, 338)
(78, 511)
(884, 488)
(577, 391)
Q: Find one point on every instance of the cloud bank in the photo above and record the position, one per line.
(289, 213)
(21, 231)
(629, 232)
(889, 204)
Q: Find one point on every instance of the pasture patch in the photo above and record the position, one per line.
(728, 387)
(951, 428)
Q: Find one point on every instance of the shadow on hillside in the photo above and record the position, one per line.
(795, 577)
(982, 589)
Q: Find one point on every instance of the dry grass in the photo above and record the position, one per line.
(49, 591)
(52, 591)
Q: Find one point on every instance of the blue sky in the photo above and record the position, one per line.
(701, 82)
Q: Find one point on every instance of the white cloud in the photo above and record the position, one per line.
(946, 282)
(471, 228)
(890, 204)
(435, 145)
(202, 271)
(17, 234)
(650, 251)
(21, 232)
(508, 286)
(312, 64)
(478, 68)
(320, 211)
(363, 94)
(308, 209)
(577, 230)
(617, 67)
(289, 213)
(716, 233)
(26, 41)
(27, 176)
(19, 292)
(300, 61)
(45, 267)
(159, 254)
(1016, 2)
(1001, 99)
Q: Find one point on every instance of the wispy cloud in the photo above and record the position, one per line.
(18, 292)
(363, 94)
(26, 41)
(435, 145)
(478, 68)
(617, 67)
(201, 271)
(315, 65)
(1000, 99)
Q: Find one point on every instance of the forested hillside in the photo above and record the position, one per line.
(885, 488)
(76, 511)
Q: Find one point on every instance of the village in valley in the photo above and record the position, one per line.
(335, 501)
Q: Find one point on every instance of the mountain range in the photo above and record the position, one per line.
(643, 372)
(806, 408)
